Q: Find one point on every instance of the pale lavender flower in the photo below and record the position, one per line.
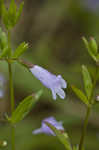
(45, 129)
(2, 82)
(51, 81)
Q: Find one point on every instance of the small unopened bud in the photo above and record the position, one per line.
(3, 143)
(97, 98)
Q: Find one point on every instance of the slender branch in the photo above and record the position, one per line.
(12, 104)
(88, 112)
(84, 128)
(11, 87)
(11, 90)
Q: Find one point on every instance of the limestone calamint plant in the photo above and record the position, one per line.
(10, 16)
(87, 98)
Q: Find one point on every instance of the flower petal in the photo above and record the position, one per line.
(62, 81)
(60, 92)
(53, 94)
(37, 131)
(49, 80)
(45, 129)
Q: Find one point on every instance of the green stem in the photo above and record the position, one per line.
(11, 91)
(11, 87)
(88, 113)
(9, 39)
(12, 104)
(84, 128)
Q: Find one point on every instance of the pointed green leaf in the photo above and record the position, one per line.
(4, 52)
(63, 137)
(80, 95)
(3, 40)
(5, 16)
(12, 9)
(93, 46)
(24, 107)
(20, 50)
(87, 81)
(18, 14)
(90, 51)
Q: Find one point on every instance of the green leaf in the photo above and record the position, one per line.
(20, 50)
(87, 81)
(24, 107)
(3, 40)
(5, 16)
(63, 137)
(90, 51)
(93, 46)
(18, 14)
(12, 13)
(12, 9)
(80, 95)
(4, 52)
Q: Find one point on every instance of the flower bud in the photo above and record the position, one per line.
(3, 144)
(97, 98)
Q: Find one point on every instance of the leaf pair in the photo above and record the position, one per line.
(5, 50)
(87, 86)
(92, 48)
(11, 16)
(24, 108)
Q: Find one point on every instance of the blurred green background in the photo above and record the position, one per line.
(53, 29)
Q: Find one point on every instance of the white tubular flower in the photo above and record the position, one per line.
(51, 81)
